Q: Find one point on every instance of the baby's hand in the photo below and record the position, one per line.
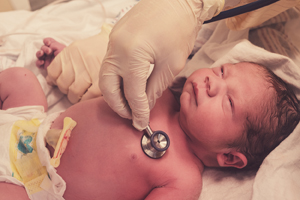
(75, 69)
(47, 53)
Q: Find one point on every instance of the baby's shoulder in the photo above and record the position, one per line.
(182, 180)
(184, 171)
(187, 172)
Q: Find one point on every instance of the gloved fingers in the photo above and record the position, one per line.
(110, 85)
(91, 63)
(86, 59)
(134, 86)
(162, 77)
(231, 3)
(93, 92)
(133, 101)
(65, 79)
(135, 93)
(79, 87)
(75, 68)
(54, 70)
(61, 71)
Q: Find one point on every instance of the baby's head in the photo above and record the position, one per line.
(236, 114)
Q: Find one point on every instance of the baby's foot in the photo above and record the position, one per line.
(47, 53)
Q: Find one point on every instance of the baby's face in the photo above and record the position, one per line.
(215, 103)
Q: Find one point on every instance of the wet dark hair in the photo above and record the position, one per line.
(276, 120)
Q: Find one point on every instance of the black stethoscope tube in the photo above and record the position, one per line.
(241, 9)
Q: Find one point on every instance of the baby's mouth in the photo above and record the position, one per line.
(195, 89)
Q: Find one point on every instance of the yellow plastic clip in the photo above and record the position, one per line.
(61, 145)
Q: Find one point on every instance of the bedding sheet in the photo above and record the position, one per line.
(78, 19)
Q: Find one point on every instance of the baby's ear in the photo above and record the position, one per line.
(232, 159)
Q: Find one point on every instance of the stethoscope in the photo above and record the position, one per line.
(155, 144)
(241, 9)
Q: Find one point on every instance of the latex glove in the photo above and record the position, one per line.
(160, 32)
(75, 70)
(231, 3)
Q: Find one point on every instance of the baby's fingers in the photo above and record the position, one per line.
(40, 63)
(40, 59)
(40, 54)
(46, 50)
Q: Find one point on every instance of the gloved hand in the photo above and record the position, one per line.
(159, 32)
(75, 70)
(231, 3)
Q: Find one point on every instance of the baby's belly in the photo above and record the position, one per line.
(104, 159)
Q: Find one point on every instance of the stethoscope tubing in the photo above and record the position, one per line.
(241, 9)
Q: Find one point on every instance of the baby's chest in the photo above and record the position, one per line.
(114, 161)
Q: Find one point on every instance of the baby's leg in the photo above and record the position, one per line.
(48, 51)
(10, 191)
(20, 87)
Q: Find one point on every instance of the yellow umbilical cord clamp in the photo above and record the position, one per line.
(61, 145)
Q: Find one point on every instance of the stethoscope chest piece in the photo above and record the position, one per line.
(155, 144)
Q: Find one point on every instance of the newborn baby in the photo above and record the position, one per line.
(221, 112)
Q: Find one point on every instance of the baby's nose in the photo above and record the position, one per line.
(214, 85)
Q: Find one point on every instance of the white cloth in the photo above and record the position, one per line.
(278, 176)
(7, 119)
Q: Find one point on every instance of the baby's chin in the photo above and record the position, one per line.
(182, 122)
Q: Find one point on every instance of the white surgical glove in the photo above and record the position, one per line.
(159, 32)
(231, 3)
(75, 70)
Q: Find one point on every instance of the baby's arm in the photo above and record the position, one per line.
(20, 87)
(184, 188)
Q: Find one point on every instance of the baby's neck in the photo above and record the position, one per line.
(165, 117)
(165, 112)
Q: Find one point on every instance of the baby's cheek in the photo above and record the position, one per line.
(184, 103)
